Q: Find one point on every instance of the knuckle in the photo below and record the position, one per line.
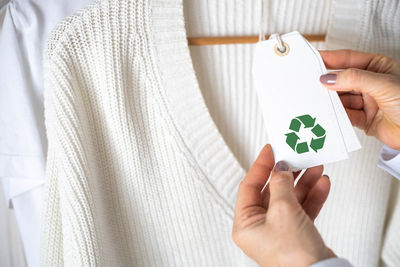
(280, 177)
(352, 75)
(382, 60)
(383, 64)
(281, 211)
(281, 207)
(348, 53)
(385, 60)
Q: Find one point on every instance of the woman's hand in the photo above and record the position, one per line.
(275, 226)
(369, 88)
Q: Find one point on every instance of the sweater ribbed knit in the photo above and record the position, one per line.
(143, 169)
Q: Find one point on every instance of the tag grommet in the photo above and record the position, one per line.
(279, 52)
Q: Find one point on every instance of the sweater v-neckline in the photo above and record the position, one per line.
(184, 100)
(187, 106)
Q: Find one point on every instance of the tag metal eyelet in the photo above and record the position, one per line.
(282, 53)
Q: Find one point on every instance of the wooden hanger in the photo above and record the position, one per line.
(241, 39)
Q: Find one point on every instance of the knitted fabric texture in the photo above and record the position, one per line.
(137, 172)
(122, 188)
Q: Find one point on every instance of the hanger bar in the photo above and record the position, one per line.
(242, 39)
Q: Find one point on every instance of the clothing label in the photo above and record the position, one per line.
(307, 124)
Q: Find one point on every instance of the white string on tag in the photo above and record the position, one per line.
(282, 49)
(261, 34)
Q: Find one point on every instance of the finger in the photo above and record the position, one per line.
(281, 185)
(343, 59)
(266, 192)
(316, 198)
(378, 85)
(250, 188)
(358, 118)
(352, 101)
(307, 182)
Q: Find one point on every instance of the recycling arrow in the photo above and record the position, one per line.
(302, 147)
(292, 139)
(318, 143)
(306, 120)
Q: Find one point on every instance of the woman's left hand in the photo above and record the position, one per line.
(275, 227)
(369, 87)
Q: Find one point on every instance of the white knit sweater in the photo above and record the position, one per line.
(139, 173)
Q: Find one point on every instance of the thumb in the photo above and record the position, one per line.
(361, 81)
(281, 185)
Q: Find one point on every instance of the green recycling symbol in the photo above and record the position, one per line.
(292, 139)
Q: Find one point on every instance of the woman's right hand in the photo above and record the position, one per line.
(369, 87)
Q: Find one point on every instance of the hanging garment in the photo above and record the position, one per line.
(138, 172)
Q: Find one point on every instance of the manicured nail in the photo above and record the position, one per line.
(281, 166)
(329, 78)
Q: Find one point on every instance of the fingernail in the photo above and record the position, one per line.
(281, 166)
(326, 176)
(329, 78)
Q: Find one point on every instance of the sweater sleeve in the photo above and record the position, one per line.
(52, 238)
(389, 160)
(68, 232)
(51, 242)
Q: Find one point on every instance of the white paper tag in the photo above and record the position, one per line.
(306, 123)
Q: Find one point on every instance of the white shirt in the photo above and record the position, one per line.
(24, 28)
